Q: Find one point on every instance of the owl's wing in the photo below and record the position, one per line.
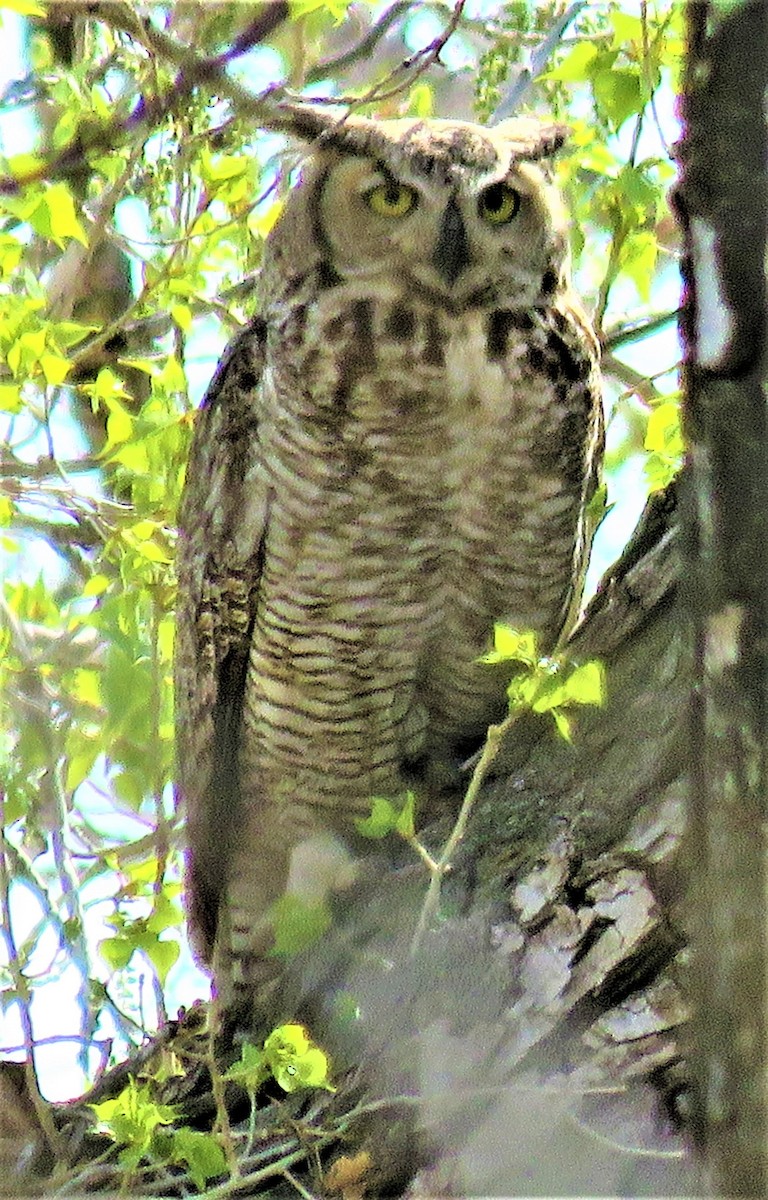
(222, 527)
(570, 356)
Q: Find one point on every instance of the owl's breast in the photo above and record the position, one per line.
(414, 504)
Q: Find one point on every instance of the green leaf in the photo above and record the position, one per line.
(202, 1154)
(86, 686)
(577, 66)
(79, 767)
(251, 1071)
(618, 94)
(627, 29)
(117, 951)
(664, 440)
(163, 955)
(107, 387)
(637, 260)
(563, 724)
(421, 101)
(133, 1119)
(97, 585)
(53, 215)
(294, 1060)
(510, 645)
(166, 914)
(217, 167)
(638, 192)
(181, 315)
(382, 821)
(548, 692)
(388, 816)
(119, 426)
(55, 368)
(23, 167)
(586, 684)
(663, 434)
(405, 824)
(10, 398)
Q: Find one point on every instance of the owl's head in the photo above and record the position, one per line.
(447, 209)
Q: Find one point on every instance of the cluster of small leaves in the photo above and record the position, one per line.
(146, 930)
(619, 69)
(518, 21)
(289, 1056)
(546, 685)
(388, 816)
(148, 1132)
(664, 443)
(151, 1133)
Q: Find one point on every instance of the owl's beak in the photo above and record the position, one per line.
(451, 256)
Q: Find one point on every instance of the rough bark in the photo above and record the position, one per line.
(723, 201)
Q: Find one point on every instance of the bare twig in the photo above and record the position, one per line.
(409, 70)
(364, 47)
(22, 991)
(443, 862)
(635, 381)
(635, 330)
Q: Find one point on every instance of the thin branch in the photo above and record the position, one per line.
(22, 991)
(635, 381)
(44, 467)
(193, 71)
(364, 48)
(537, 61)
(410, 69)
(634, 330)
(442, 865)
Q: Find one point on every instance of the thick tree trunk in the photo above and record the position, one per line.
(723, 200)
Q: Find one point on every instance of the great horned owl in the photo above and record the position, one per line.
(397, 452)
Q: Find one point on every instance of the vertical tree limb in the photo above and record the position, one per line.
(723, 204)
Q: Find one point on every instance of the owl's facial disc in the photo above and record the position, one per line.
(459, 240)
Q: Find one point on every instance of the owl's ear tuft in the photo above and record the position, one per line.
(530, 139)
(327, 127)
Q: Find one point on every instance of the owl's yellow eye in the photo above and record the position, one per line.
(499, 204)
(391, 199)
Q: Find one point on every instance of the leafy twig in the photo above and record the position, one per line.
(543, 685)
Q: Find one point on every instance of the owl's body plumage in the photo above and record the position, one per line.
(396, 453)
